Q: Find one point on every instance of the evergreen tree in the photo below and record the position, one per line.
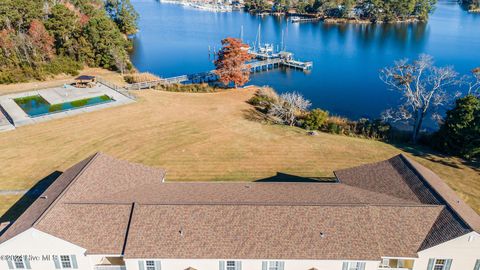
(460, 133)
(123, 14)
(63, 24)
(105, 36)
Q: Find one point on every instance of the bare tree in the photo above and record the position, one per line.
(120, 60)
(288, 107)
(423, 86)
(474, 85)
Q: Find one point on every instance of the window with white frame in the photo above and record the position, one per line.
(354, 266)
(65, 261)
(230, 265)
(439, 264)
(150, 265)
(18, 262)
(274, 265)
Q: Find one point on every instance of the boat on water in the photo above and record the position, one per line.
(298, 19)
(214, 7)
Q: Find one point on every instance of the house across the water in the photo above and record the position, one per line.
(107, 214)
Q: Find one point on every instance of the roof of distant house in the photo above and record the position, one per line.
(96, 202)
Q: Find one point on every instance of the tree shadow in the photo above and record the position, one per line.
(286, 178)
(433, 156)
(29, 197)
(255, 115)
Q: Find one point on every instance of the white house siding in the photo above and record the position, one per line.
(203, 264)
(464, 251)
(36, 243)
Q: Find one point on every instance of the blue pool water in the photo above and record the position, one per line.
(37, 106)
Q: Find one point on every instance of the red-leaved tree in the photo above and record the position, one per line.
(231, 64)
(41, 39)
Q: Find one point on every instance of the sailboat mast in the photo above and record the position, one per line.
(241, 33)
(283, 33)
(259, 35)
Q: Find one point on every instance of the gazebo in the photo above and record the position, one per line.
(83, 81)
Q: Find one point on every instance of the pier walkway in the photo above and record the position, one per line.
(264, 62)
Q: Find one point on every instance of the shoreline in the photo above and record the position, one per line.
(331, 20)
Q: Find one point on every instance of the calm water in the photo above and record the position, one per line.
(174, 40)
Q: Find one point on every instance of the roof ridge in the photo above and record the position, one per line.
(93, 203)
(470, 220)
(420, 205)
(249, 182)
(54, 202)
(254, 204)
(288, 204)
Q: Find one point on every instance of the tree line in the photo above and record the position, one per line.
(374, 10)
(39, 38)
(472, 5)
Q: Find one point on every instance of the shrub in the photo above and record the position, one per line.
(333, 128)
(338, 125)
(376, 129)
(12, 76)
(288, 109)
(62, 65)
(57, 66)
(291, 109)
(264, 97)
(315, 119)
(188, 88)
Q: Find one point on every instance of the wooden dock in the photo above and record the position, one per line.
(263, 62)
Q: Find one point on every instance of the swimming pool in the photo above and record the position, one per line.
(37, 106)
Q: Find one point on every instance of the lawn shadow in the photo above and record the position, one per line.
(255, 115)
(284, 177)
(433, 156)
(29, 197)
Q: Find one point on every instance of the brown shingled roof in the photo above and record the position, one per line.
(101, 228)
(94, 176)
(465, 212)
(95, 203)
(277, 232)
(402, 177)
(41, 204)
(245, 193)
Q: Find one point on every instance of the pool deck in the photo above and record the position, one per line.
(69, 93)
(56, 95)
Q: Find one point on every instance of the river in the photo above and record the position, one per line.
(174, 40)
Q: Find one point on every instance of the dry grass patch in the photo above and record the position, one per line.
(140, 77)
(198, 137)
